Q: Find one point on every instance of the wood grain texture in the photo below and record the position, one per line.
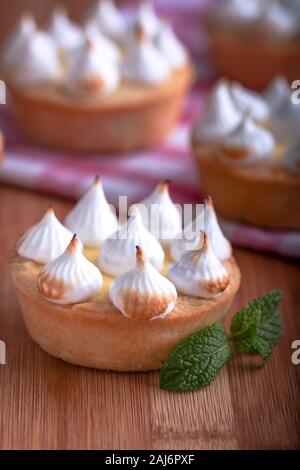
(47, 404)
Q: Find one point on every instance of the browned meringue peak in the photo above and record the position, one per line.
(219, 242)
(250, 102)
(66, 34)
(139, 32)
(70, 278)
(248, 143)
(220, 116)
(46, 240)
(90, 73)
(148, 18)
(143, 293)
(109, 49)
(160, 215)
(92, 217)
(199, 272)
(117, 254)
(109, 19)
(192, 234)
(15, 44)
(143, 61)
(170, 46)
(39, 61)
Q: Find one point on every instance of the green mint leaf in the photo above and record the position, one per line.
(257, 328)
(195, 362)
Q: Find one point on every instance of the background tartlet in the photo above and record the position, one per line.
(246, 51)
(114, 83)
(247, 164)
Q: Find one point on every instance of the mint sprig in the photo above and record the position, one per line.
(196, 361)
(257, 328)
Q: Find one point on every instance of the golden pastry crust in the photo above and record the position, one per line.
(262, 194)
(135, 116)
(251, 59)
(95, 334)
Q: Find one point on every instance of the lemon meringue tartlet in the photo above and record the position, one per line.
(112, 84)
(254, 40)
(249, 157)
(77, 312)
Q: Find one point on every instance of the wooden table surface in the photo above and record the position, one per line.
(48, 404)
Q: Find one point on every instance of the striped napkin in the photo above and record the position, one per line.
(136, 173)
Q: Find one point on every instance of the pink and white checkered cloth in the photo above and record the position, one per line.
(135, 174)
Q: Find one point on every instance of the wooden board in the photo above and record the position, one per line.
(47, 404)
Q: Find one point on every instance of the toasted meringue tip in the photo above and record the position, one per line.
(204, 241)
(133, 210)
(139, 32)
(97, 180)
(209, 201)
(164, 185)
(216, 286)
(73, 245)
(140, 256)
(50, 209)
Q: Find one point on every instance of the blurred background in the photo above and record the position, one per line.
(186, 16)
(67, 174)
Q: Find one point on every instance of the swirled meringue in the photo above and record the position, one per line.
(291, 160)
(105, 46)
(246, 144)
(142, 293)
(90, 74)
(147, 18)
(199, 273)
(70, 278)
(276, 92)
(15, 44)
(92, 218)
(190, 239)
(285, 121)
(109, 19)
(218, 241)
(277, 21)
(170, 46)
(46, 240)
(192, 235)
(160, 215)
(65, 33)
(143, 62)
(117, 254)
(249, 101)
(220, 116)
(39, 61)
